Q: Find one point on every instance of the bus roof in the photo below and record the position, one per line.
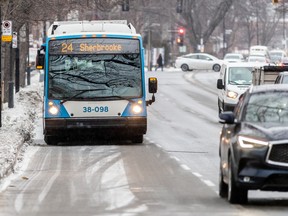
(94, 26)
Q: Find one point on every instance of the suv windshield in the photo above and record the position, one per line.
(268, 107)
(240, 75)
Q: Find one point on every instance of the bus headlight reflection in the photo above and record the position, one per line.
(53, 110)
(136, 109)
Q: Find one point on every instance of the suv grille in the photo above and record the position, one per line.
(278, 154)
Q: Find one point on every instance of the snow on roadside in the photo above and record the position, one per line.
(18, 123)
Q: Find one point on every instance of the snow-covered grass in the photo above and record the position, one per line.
(18, 123)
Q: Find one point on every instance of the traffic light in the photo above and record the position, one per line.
(125, 5)
(180, 37)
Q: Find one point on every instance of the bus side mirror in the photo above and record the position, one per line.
(40, 60)
(152, 85)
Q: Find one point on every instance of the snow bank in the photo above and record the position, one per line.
(18, 124)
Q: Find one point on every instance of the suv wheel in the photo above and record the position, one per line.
(219, 107)
(236, 194)
(223, 187)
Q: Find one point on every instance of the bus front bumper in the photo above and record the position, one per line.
(121, 125)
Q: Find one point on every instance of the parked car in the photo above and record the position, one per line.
(282, 78)
(277, 56)
(254, 143)
(234, 57)
(198, 61)
(234, 79)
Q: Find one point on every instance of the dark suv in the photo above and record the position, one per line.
(282, 78)
(254, 143)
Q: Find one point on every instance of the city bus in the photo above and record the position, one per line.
(94, 81)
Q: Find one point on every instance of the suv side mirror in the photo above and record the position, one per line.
(220, 84)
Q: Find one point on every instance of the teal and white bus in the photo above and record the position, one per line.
(94, 81)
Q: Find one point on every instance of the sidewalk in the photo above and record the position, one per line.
(18, 123)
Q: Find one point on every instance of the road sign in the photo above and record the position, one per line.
(6, 27)
(6, 38)
(14, 40)
(6, 31)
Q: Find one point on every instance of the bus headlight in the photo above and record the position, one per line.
(53, 110)
(136, 109)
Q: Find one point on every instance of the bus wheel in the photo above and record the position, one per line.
(137, 139)
(51, 140)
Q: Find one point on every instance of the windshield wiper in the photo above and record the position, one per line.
(82, 91)
(117, 96)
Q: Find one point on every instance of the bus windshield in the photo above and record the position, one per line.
(81, 75)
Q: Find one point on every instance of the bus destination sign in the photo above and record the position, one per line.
(93, 46)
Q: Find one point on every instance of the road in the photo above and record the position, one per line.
(174, 172)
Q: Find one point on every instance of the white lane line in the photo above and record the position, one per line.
(209, 183)
(175, 158)
(159, 146)
(185, 167)
(197, 174)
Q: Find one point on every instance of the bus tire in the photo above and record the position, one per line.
(137, 139)
(51, 140)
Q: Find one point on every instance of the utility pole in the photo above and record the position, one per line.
(284, 30)
(149, 49)
(224, 37)
(1, 66)
(11, 82)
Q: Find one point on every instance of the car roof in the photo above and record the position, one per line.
(284, 72)
(243, 64)
(233, 54)
(277, 51)
(268, 88)
(199, 53)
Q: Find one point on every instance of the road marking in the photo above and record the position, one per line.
(175, 158)
(185, 167)
(197, 174)
(209, 183)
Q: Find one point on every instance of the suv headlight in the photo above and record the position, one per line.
(232, 94)
(246, 142)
